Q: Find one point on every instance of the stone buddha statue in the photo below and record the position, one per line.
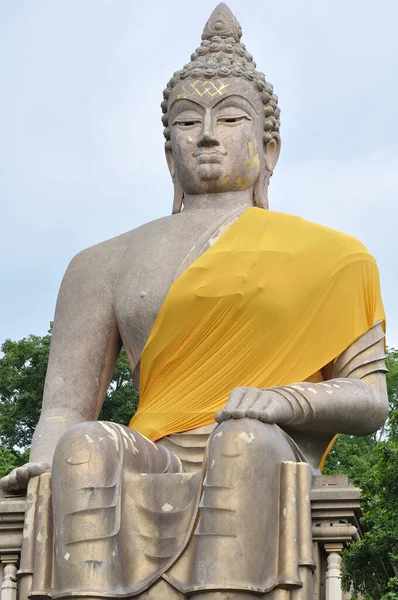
(254, 337)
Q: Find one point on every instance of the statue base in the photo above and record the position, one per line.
(335, 510)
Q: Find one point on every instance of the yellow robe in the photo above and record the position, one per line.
(274, 300)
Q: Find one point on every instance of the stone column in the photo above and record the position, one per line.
(9, 584)
(333, 573)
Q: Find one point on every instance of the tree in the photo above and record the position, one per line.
(392, 387)
(22, 373)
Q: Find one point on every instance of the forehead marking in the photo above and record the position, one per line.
(201, 88)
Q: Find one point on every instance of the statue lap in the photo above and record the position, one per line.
(117, 494)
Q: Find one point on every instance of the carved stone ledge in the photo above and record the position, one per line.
(336, 509)
(12, 513)
(336, 513)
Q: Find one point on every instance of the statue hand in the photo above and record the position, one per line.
(17, 481)
(264, 405)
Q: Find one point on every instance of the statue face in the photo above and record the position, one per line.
(216, 129)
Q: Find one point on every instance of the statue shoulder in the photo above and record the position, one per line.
(103, 259)
(312, 234)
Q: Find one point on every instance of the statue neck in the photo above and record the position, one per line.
(226, 201)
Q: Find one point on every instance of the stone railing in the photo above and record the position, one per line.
(335, 506)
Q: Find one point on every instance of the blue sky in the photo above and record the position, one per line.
(81, 146)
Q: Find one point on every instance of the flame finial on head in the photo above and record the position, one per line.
(222, 23)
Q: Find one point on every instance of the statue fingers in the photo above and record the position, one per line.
(239, 403)
(22, 477)
(9, 484)
(17, 481)
(257, 409)
(248, 400)
(274, 411)
(235, 397)
(219, 417)
(233, 404)
(38, 468)
(13, 486)
(4, 483)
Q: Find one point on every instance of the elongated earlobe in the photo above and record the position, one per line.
(178, 191)
(271, 154)
(260, 190)
(178, 195)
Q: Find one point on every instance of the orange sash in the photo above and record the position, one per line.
(274, 300)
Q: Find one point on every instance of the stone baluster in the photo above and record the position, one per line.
(333, 573)
(9, 584)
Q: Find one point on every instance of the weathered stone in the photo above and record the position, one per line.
(220, 511)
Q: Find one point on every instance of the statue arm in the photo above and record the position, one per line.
(353, 401)
(84, 347)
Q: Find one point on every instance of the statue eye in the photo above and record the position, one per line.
(231, 120)
(187, 124)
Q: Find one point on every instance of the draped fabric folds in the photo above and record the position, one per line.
(274, 300)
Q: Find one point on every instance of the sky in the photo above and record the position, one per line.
(81, 145)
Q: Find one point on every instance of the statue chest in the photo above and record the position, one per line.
(140, 293)
(148, 269)
(141, 288)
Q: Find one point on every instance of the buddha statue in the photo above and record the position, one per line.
(254, 337)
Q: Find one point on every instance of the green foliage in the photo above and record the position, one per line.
(353, 456)
(9, 459)
(392, 387)
(121, 400)
(392, 587)
(22, 373)
(371, 565)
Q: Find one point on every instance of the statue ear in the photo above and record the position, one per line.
(170, 159)
(271, 155)
(260, 190)
(271, 151)
(178, 191)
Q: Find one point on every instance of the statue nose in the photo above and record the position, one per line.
(208, 135)
(207, 139)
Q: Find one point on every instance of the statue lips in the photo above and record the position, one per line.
(209, 156)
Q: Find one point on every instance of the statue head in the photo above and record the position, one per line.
(221, 118)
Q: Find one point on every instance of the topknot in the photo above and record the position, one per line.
(222, 23)
(221, 54)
